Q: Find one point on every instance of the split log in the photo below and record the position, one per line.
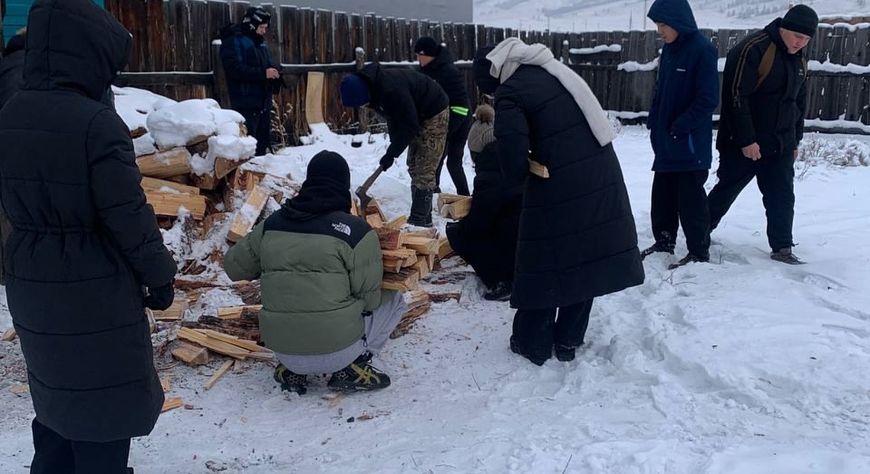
(246, 327)
(374, 221)
(457, 209)
(393, 264)
(422, 267)
(171, 404)
(166, 164)
(206, 182)
(444, 297)
(416, 298)
(390, 238)
(235, 312)
(246, 217)
(8, 335)
(223, 166)
(215, 345)
(190, 354)
(408, 320)
(138, 132)
(444, 248)
(168, 203)
(406, 280)
(211, 222)
(402, 253)
(154, 184)
(421, 245)
(244, 180)
(397, 223)
(244, 344)
(217, 375)
(374, 208)
(424, 233)
(447, 198)
(174, 312)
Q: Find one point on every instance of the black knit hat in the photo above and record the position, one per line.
(427, 47)
(256, 16)
(481, 67)
(801, 19)
(326, 187)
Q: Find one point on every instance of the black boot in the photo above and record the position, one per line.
(291, 381)
(785, 255)
(564, 353)
(500, 292)
(421, 207)
(359, 376)
(690, 258)
(662, 245)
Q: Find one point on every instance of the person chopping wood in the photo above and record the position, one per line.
(321, 271)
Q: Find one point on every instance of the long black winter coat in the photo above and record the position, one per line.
(487, 237)
(245, 60)
(405, 98)
(577, 234)
(443, 70)
(771, 115)
(11, 69)
(84, 241)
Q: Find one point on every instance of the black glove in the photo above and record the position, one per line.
(161, 297)
(386, 162)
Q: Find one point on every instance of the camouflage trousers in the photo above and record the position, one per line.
(426, 149)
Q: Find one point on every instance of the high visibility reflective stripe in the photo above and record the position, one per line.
(463, 111)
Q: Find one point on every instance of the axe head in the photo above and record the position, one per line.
(364, 198)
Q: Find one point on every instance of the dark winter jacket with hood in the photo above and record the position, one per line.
(84, 242)
(245, 58)
(443, 70)
(577, 237)
(771, 114)
(687, 93)
(405, 98)
(320, 267)
(11, 68)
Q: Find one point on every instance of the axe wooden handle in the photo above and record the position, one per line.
(362, 190)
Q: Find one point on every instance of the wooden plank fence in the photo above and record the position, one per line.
(173, 55)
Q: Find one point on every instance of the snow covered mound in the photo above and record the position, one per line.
(836, 150)
(134, 105)
(190, 122)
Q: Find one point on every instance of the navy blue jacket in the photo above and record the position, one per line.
(687, 93)
(245, 60)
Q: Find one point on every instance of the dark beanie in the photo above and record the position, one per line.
(481, 67)
(256, 16)
(354, 91)
(801, 19)
(326, 187)
(427, 46)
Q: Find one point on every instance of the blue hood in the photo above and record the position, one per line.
(675, 13)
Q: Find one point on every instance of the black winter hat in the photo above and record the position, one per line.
(801, 19)
(481, 67)
(256, 16)
(326, 187)
(427, 46)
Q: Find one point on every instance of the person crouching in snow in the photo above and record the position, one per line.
(321, 271)
(577, 238)
(487, 237)
(416, 110)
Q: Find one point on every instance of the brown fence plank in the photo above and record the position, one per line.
(342, 39)
(290, 40)
(307, 27)
(324, 36)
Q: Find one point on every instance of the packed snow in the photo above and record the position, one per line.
(742, 365)
(183, 123)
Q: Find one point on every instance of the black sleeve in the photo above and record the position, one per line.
(802, 111)
(484, 209)
(742, 86)
(234, 65)
(512, 135)
(402, 122)
(117, 194)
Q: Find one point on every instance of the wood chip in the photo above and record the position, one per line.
(217, 375)
(9, 335)
(171, 404)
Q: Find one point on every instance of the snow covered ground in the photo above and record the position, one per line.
(624, 15)
(743, 365)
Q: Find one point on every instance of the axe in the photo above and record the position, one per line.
(361, 191)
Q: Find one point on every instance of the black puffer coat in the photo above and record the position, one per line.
(84, 241)
(11, 68)
(487, 237)
(577, 234)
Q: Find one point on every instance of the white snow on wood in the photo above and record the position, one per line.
(828, 66)
(178, 124)
(634, 66)
(604, 48)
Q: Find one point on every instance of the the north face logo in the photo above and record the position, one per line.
(341, 227)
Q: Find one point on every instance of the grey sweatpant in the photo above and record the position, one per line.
(378, 328)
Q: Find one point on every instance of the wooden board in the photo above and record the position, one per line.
(242, 343)
(171, 404)
(215, 345)
(314, 98)
(217, 375)
(173, 313)
(246, 217)
(169, 203)
(190, 354)
(154, 184)
(166, 164)
(421, 245)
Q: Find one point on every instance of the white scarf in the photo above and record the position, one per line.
(512, 53)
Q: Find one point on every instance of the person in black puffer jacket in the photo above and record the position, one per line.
(415, 109)
(437, 62)
(251, 73)
(577, 238)
(84, 244)
(487, 237)
(11, 72)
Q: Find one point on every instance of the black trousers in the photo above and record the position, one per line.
(536, 331)
(454, 151)
(775, 177)
(55, 454)
(259, 123)
(679, 198)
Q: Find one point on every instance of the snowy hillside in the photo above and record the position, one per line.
(739, 366)
(598, 15)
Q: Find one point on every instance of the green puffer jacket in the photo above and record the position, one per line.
(318, 274)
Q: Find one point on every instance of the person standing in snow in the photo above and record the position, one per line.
(84, 244)
(11, 78)
(487, 237)
(437, 62)
(251, 74)
(764, 99)
(416, 110)
(681, 131)
(321, 271)
(577, 237)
